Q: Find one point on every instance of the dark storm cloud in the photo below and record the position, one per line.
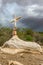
(34, 23)
(25, 2)
(21, 2)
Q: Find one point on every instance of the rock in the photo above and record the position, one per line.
(15, 42)
(14, 63)
(0, 64)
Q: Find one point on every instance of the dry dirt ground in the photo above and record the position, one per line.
(21, 58)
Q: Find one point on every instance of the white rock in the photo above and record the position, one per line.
(20, 44)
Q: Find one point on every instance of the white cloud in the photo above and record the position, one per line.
(34, 10)
(9, 10)
(13, 9)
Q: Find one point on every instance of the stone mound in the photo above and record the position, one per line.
(15, 42)
(8, 46)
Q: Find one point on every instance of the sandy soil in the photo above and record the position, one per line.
(21, 58)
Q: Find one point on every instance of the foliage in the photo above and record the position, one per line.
(5, 34)
(29, 35)
(24, 34)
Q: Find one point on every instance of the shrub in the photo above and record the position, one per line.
(29, 38)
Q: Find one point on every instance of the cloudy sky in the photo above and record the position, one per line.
(30, 10)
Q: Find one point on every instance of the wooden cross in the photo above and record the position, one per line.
(15, 20)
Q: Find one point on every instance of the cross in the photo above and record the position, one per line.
(15, 20)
